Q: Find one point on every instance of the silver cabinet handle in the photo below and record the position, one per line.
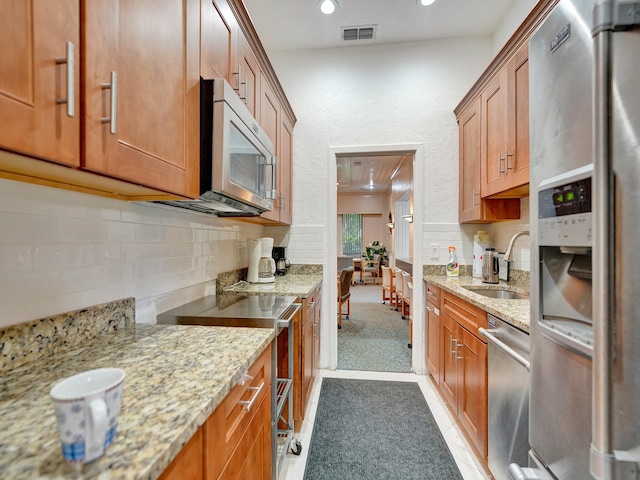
(506, 161)
(457, 354)
(430, 309)
(70, 61)
(474, 198)
(500, 160)
(283, 202)
(256, 392)
(113, 86)
(451, 340)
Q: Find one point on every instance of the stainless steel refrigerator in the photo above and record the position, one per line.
(584, 64)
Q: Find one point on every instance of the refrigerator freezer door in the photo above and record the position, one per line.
(625, 153)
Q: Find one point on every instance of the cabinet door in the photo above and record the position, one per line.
(495, 129)
(188, 465)
(252, 456)
(216, 39)
(433, 340)
(308, 342)
(518, 162)
(472, 400)
(470, 155)
(141, 92)
(449, 366)
(270, 122)
(285, 171)
(33, 82)
(249, 76)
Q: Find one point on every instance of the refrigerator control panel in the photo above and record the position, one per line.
(564, 214)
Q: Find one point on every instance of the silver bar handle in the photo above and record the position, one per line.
(283, 202)
(475, 204)
(451, 345)
(489, 335)
(71, 91)
(507, 155)
(256, 392)
(113, 86)
(430, 309)
(500, 160)
(458, 345)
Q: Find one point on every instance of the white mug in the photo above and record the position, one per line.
(87, 407)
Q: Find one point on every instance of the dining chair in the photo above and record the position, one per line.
(406, 294)
(398, 288)
(388, 292)
(344, 293)
(410, 294)
(371, 267)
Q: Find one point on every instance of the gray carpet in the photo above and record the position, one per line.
(375, 337)
(370, 429)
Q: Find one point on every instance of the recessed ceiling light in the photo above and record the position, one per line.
(425, 3)
(328, 6)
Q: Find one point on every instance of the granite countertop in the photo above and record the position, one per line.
(176, 377)
(514, 312)
(285, 285)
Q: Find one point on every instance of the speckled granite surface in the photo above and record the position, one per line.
(286, 285)
(514, 312)
(176, 376)
(31, 341)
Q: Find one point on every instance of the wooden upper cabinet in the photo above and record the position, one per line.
(218, 26)
(505, 104)
(141, 92)
(470, 156)
(248, 76)
(285, 170)
(36, 79)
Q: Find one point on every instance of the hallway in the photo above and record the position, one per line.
(375, 336)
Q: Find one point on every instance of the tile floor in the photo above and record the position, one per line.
(294, 465)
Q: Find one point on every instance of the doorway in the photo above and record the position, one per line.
(381, 220)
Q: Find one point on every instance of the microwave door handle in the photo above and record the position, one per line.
(274, 161)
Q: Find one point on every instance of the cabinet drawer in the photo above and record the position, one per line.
(227, 424)
(433, 294)
(467, 315)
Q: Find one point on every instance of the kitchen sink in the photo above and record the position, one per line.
(499, 293)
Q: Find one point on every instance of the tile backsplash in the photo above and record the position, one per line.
(63, 250)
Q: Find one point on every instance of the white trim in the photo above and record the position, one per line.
(329, 349)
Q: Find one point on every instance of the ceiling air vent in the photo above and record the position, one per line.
(362, 32)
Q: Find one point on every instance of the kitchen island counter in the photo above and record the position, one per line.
(176, 377)
(514, 312)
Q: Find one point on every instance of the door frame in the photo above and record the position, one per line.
(330, 327)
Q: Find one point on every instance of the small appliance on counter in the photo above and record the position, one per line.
(261, 266)
(481, 242)
(280, 257)
(490, 266)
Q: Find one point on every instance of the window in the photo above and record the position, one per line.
(351, 234)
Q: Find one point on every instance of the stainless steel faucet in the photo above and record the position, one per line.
(507, 254)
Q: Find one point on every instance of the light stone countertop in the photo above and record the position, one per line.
(514, 312)
(285, 285)
(176, 377)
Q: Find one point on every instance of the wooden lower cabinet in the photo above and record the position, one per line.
(235, 441)
(462, 372)
(307, 351)
(432, 341)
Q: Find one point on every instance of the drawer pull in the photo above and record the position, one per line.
(69, 60)
(249, 403)
(245, 378)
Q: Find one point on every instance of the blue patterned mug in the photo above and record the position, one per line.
(87, 407)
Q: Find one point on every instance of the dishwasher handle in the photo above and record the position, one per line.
(489, 335)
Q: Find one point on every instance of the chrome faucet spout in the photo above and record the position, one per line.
(507, 254)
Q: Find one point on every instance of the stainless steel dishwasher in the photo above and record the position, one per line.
(508, 379)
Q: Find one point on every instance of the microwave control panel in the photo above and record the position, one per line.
(565, 215)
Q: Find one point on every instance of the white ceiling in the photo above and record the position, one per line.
(298, 24)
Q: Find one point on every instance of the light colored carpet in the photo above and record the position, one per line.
(375, 337)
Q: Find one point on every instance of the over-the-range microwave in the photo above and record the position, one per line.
(237, 161)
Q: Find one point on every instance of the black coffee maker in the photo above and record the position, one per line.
(279, 256)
